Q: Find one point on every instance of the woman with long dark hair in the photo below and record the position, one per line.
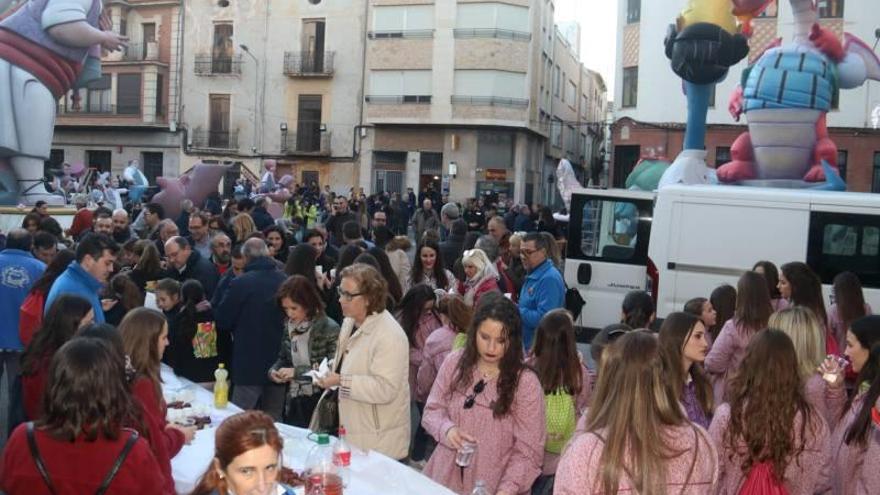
(637, 310)
(428, 267)
(148, 267)
(702, 309)
(455, 317)
(278, 242)
(849, 305)
(768, 431)
(855, 442)
(82, 431)
(753, 309)
(637, 438)
(127, 296)
(486, 398)
(145, 337)
(247, 458)
(30, 315)
(395, 290)
(771, 275)
(67, 314)
(800, 286)
(723, 299)
(566, 385)
(683, 348)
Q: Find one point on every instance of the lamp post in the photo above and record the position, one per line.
(245, 49)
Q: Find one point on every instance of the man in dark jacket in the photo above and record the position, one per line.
(185, 263)
(451, 248)
(260, 214)
(341, 216)
(249, 310)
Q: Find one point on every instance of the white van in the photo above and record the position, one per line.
(684, 241)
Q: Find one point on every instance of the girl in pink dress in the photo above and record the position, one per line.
(487, 401)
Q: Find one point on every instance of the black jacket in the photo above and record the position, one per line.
(262, 218)
(198, 268)
(451, 250)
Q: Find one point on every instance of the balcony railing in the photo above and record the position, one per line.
(506, 34)
(410, 33)
(141, 51)
(209, 65)
(100, 109)
(308, 64)
(396, 100)
(225, 140)
(306, 143)
(495, 101)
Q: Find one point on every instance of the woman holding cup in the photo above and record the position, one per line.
(486, 409)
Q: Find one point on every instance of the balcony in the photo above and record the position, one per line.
(398, 99)
(219, 140)
(409, 33)
(209, 65)
(308, 64)
(491, 101)
(100, 109)
(141, 52)
(504, 34)
(306, 143)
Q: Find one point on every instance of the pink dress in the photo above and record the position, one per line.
(835, 325)
(428, 322)
(808, 473)
(856, 468)
(437, 347)
(827, 401)
(509, 449)
(695, 472)
(727, 352)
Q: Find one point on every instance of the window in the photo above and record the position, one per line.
(400, 86)
(99, 159)
(633, 11)
(830, 8)
(584, 105)
(495, 150)
(160, 95)
(842, 156)
(308, 123)
(98, 96)
(495, 83)
(152, 165)
(875, 187)
(630, 86)
(570, 92)
(722, 155)
(56, 159)
(492, 16)
(556, 133)
(218, 134)
(223, 49)
(395, 21)
(128, 94)
(615, 231)
(556, 81)
(845, 242)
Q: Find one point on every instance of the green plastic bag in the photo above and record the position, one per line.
(561, 420)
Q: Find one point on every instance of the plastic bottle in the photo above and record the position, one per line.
(221, 387)
(480, 488)
(342, 456)
(322, 475)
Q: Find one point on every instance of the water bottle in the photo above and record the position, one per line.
(480, 488)
(221, 387)
(321, 474)
(342, 457)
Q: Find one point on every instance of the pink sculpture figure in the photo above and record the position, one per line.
(786, 95)
(47, 48)
(195, 185)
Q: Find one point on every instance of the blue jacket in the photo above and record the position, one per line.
(250, 312)
(75, 280)
(542, 291)
(18, 272)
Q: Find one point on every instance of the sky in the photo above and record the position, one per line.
(598, 20)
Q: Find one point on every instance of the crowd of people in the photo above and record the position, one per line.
(446, 332)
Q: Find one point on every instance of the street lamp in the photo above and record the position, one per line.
(245, 49)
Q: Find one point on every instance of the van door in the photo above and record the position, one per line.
(607, 252)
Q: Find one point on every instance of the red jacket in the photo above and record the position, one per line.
(77, 468)
(164, 442)
(32, 387)
(82, 221)
(30, 316)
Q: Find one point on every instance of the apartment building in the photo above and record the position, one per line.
(279, 80)
(129, 113)
(650, 108)
(463, 95)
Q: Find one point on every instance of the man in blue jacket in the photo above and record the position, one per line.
(250, 311)
(543, 289)
(18, 272)
(86, 275)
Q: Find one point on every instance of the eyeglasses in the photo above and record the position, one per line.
(472, 398)
(528, 252)
(348, 296)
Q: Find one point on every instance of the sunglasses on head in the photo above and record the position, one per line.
(472, 398)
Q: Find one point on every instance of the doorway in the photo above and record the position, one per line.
(625, 159)
(152, 165)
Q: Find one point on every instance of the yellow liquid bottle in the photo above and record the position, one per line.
(221, 387)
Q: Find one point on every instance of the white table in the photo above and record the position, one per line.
(371, 472)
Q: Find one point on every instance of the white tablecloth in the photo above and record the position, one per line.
(371, 472)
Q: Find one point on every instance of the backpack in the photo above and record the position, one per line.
(760, 481)
(561, 420)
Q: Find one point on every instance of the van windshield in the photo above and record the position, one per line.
(607, 229)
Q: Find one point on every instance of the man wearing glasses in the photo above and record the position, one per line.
(543, 289)
(341, 215)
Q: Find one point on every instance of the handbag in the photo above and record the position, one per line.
(41, 465)
(561, 420)
(326, 416)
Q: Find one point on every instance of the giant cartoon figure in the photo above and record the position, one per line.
(137, 180)
(786, 95)
(195, 185)
(703, 44)
(47, 47)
